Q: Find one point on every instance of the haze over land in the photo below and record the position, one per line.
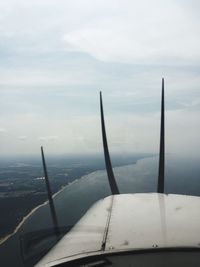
(57, 55)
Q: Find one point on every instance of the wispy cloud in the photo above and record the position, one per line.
(22, 138)
(48, 138)
(160, 33)
(3, 131)
(55, 58)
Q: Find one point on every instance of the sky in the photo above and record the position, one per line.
(56, 55)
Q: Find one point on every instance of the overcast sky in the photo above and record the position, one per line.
(56, 55)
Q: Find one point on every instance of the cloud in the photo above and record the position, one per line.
(3, 131)
(138, 32)
(55, 58)
(160, 33)
(48, 138)
(22, 138)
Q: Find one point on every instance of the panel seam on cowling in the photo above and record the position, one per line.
(107, 224)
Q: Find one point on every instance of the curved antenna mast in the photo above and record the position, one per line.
(49, 192)
(111, 178)
(161, 171)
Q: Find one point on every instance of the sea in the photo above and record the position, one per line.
(182, 177)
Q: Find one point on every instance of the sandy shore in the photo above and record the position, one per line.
(4, 239)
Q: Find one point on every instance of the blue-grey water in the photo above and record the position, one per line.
(182, 177)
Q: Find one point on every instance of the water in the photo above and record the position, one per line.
(182, 177)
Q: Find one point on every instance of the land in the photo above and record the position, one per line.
(22, 188)
(22, 184)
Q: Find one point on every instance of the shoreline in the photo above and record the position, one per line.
(4, 239)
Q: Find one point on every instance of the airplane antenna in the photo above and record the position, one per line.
(51, 203)
(111, 178)
(161, 171)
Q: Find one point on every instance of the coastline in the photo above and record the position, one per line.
(4, 239)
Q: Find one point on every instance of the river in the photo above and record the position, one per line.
(182, 177)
